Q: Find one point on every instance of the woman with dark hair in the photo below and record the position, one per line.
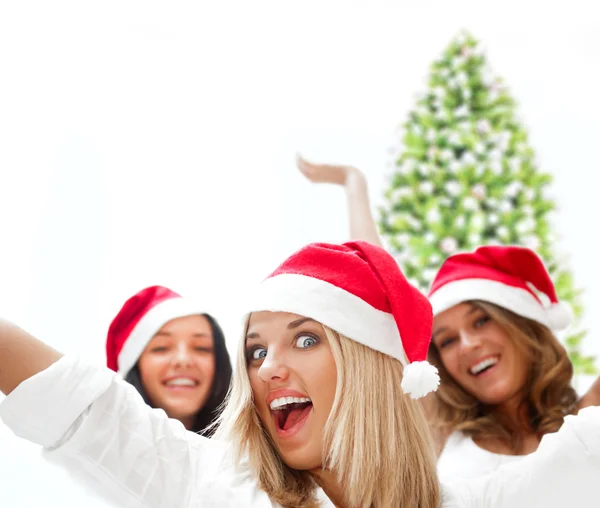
(173, 353)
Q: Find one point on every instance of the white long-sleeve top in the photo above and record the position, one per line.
(98, 427)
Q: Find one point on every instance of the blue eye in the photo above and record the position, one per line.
(259, 353)
(305, 341)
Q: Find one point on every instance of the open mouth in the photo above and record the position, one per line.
(181, 383)
(290, 413)
(484, 366)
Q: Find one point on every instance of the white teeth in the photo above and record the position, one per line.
(284, 401)
(181, 381)
(484, 364)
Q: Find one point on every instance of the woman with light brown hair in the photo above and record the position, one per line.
(321, 410)
(505, 378)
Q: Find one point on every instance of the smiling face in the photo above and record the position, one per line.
(177, 367)
(479, 355)
(293, 377)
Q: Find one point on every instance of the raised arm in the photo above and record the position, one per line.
(362, 225)
(21, 356)
(591, 397)
(98, 427)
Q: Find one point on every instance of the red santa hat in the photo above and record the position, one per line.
(358, 290)
(511, 277)
(144, 314)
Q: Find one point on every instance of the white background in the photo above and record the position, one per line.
(147, 142)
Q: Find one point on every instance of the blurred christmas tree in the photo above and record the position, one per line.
(466, 176)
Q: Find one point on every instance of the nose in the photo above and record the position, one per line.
(469, 341)
(273, 368)
(182, 356)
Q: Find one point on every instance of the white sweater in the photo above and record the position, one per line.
(98, 427)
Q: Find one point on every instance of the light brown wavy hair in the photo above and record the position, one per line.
(376, 439)
(548, 394)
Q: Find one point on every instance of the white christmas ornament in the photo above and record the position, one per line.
(475, 239)
(496, 167)
(466, 52)
(462, 111)
(468, 159)
(525, 226)
(429, 274)
(424, 170)
(506, 206)
(454, 166)
(454, 138)
(495, 154)
(449, 245)
(470, 204)
(458, 61)
(403, 238)
(492, 96)
(479, 191)
(484, 126)
(453, 188)
(447, 154)
(426, 188)
(439, 92)
(503, 232)
(433, 215)
(532, 242)
(512, 189)
(478, 221)
(429, 237)
(514, 163)
(401, 192)
(492, 219)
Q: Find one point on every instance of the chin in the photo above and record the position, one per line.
(299, 461)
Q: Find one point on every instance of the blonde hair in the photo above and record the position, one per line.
(548, 394)
(376, 440)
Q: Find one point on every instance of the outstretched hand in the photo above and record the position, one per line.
(324, 173)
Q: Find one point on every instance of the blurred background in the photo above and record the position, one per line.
(152, 143)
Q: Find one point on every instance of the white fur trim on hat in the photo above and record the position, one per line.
(151, 323)
(332, 306)
(419, 379)
(517, 300)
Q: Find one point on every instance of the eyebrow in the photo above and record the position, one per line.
(444, 328)
(290, 326)
(169, 334)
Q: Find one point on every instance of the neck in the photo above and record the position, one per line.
(188, 421)
(330, 485)
(517, 414)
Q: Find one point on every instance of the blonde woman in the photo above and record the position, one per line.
(484, 305)
(318, 413)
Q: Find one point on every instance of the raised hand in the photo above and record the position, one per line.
(324, 173)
